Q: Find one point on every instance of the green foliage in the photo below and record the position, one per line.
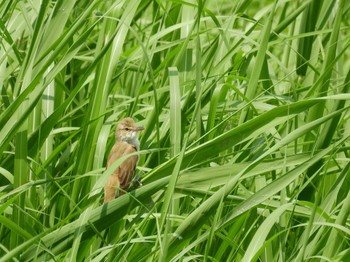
(245, 152)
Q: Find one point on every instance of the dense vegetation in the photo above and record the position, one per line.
(245, 152)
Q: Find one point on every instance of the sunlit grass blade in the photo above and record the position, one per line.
(251, 91)
(262, 232)
(175, 112)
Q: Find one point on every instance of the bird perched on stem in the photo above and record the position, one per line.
(126, 143)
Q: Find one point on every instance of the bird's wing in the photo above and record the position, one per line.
(126, 170)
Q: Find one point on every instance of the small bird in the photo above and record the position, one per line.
(126, 143)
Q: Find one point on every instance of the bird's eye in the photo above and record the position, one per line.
(127, 129)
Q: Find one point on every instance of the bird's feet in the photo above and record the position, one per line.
(136, 181)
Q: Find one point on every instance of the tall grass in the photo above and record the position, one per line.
(245, 152)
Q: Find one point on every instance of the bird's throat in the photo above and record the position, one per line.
(132, 141)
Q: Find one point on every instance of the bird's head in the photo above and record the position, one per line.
(127, 130)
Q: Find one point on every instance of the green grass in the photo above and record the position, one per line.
(245, 152)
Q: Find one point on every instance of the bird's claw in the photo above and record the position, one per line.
(137, 181)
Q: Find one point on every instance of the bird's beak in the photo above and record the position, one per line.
(138, 128)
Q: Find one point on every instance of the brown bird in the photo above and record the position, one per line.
(126, 143)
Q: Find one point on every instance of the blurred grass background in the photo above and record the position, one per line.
(245, 152)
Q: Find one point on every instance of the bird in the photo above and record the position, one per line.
(126, 143)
